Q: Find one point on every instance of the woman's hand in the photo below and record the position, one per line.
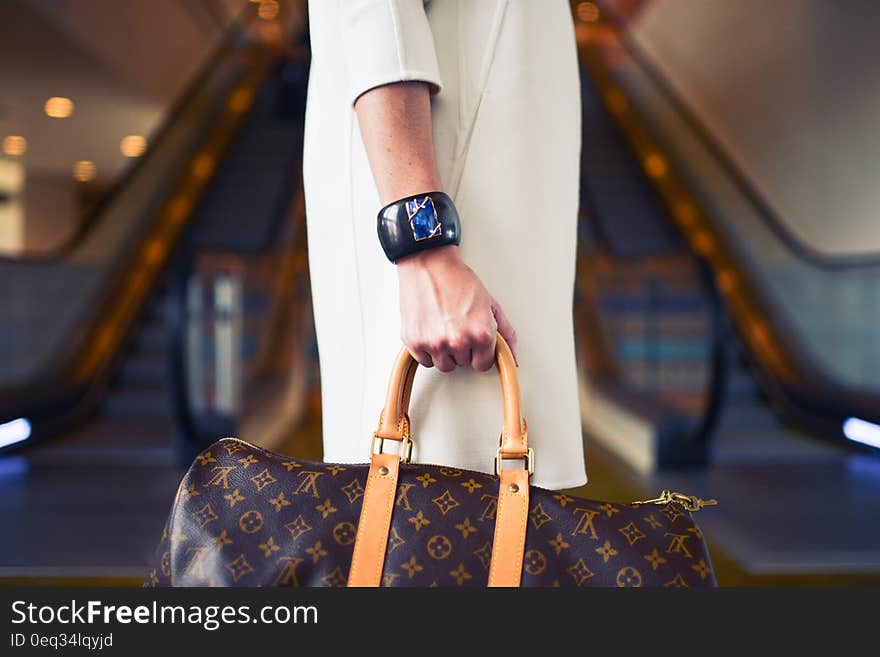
(448, 318)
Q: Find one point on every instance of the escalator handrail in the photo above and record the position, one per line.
(801, 250)
(233, 34)
(719, 369)
(175, 313)
(187, 423)
(718, 360)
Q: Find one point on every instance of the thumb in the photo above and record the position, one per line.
(505, 328)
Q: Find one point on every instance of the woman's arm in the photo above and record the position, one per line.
(448, 318)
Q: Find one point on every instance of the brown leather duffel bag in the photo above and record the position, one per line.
(245, 516)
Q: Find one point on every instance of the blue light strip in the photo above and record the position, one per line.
(862, 431)
(15, 431)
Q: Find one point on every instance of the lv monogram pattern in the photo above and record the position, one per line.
(244, 516)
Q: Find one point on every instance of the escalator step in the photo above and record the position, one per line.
(136, 401)
(748, 414)
(741, 386)
(144, 369)
(150, 338)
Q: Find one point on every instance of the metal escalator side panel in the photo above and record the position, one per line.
(64, 375)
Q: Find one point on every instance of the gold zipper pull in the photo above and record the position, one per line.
(664, 498)
(689, 502)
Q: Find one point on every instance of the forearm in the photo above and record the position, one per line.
(395, 124)
(448, 318)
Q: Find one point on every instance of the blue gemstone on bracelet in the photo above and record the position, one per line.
(423, 218)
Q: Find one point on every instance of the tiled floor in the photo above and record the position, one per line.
(90, 508)
(785, 517)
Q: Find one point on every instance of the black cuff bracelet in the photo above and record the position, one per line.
(417, 223)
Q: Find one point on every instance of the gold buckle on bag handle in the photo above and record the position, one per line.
(528, 461)
(406, 447)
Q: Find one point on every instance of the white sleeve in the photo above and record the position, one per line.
(385, 41)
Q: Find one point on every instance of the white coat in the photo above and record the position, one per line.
(506, 123)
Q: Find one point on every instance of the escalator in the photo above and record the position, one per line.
(806, 316)
(718, 359)
(69, 316)
(188, 279)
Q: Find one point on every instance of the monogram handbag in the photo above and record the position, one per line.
(245, 516)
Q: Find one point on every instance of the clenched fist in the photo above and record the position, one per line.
(448, 318)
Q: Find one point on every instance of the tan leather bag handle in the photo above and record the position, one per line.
(394, 419)
(511, 516)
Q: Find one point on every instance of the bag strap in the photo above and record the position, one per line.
(513, 496)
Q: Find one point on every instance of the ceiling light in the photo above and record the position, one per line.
(588, 12)
(14, 145)
(84, 170)
(133, 146)
(268, 10)
(59, 107)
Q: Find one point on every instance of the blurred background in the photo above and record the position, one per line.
(155, 295)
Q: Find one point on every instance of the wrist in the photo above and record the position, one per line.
(441, 256)
(393, 189)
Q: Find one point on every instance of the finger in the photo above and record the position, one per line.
(443, 361)
(505, 329)
(422, 356)
(484, 353)
(425, 359)
(462, 357)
